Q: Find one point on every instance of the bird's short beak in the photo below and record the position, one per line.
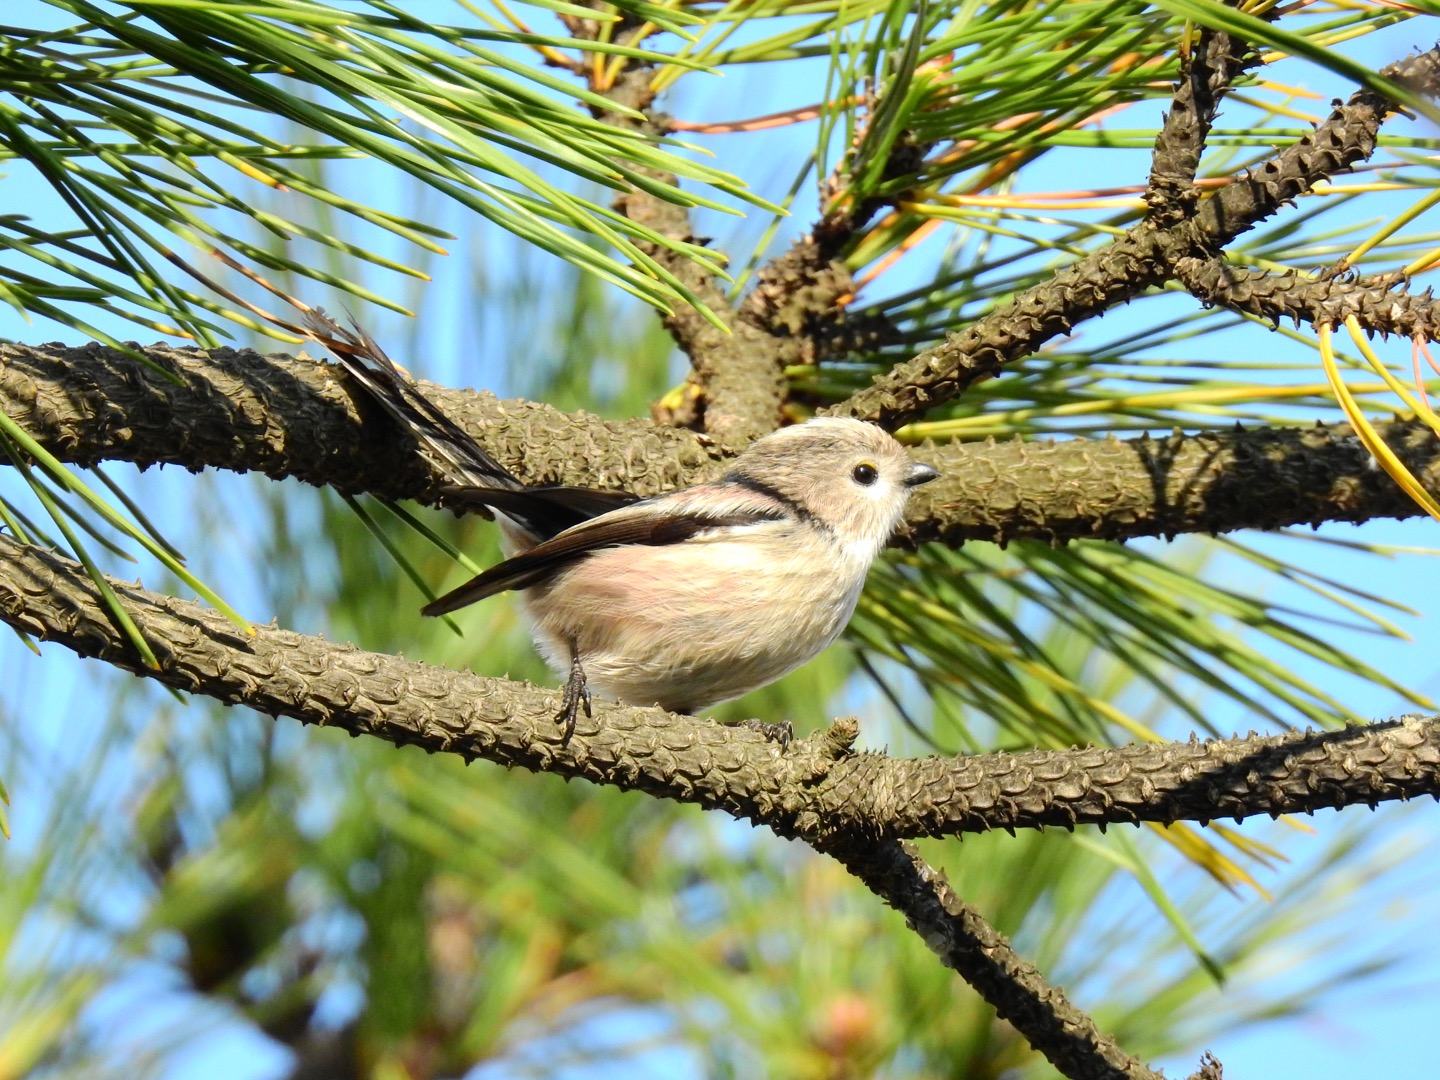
(919, 473)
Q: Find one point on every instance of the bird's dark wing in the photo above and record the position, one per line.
(542, 511)
(668, 519)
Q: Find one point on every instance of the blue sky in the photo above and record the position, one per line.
(1374, 1032)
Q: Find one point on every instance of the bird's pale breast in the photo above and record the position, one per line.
(691, 625)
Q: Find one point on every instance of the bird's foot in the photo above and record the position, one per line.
(577, 695)
(780, 733)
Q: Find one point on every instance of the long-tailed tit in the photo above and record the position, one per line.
(683, 600)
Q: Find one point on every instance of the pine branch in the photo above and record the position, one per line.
(794, 315)
(816, 789)
(408, 703)
(1347, 137)
(737, 382)
(1144, 257)
(960, 936)
(1206, 73)
(1210, 482)
(1382, 304)
(1201, 781)
(294, 418)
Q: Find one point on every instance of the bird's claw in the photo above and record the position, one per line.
(577, 696)
(781, 732)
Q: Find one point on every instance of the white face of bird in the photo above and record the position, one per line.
(850, 478)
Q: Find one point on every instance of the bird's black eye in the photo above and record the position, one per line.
(865, 473)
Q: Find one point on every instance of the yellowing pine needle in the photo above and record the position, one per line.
(1162, 399)
(1286, 88)
(1425, 263)
(1419, 407)
(890, 258)
(617, 64)
(1263, 853)
(1370, 5)
(550, 54)
(1391, 227)
(1366, 432)
(1036, 201)
(1420, 347)
(241, 165)
(1324, 187)
(1275, 108)
(783, 118)
(1129, 196)
(1207, 856)
(1326, 41)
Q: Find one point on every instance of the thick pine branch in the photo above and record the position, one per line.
(817, 789)
(1211, 482)
(1206, 72)
(1144, 257)
(1383, 305)
(289, 417)
(795, 314)
(295, 417)
(737, 383)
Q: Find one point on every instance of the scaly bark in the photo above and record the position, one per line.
(289, 417)
(968, 945)
(1146, 256)
(816, 790)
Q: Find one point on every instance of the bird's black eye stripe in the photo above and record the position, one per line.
(866, 473)
(800, 511)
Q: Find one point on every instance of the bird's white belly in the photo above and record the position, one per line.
(659, 626)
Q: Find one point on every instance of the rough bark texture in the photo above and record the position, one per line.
(1384, 305)
(1211, 482)
(816, 790)
(1346, 138)
(1206, 73)
(1119, 272)
(967, 944)
(293, 417)
(738, 379)
(1145, 256)
(1297, 772)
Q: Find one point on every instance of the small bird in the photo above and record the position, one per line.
(682, 600)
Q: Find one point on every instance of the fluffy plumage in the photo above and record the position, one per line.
(686, 599)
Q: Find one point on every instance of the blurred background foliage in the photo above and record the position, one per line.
(194, 890)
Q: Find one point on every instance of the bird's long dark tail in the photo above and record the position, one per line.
(451, 449)
(475, 478)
